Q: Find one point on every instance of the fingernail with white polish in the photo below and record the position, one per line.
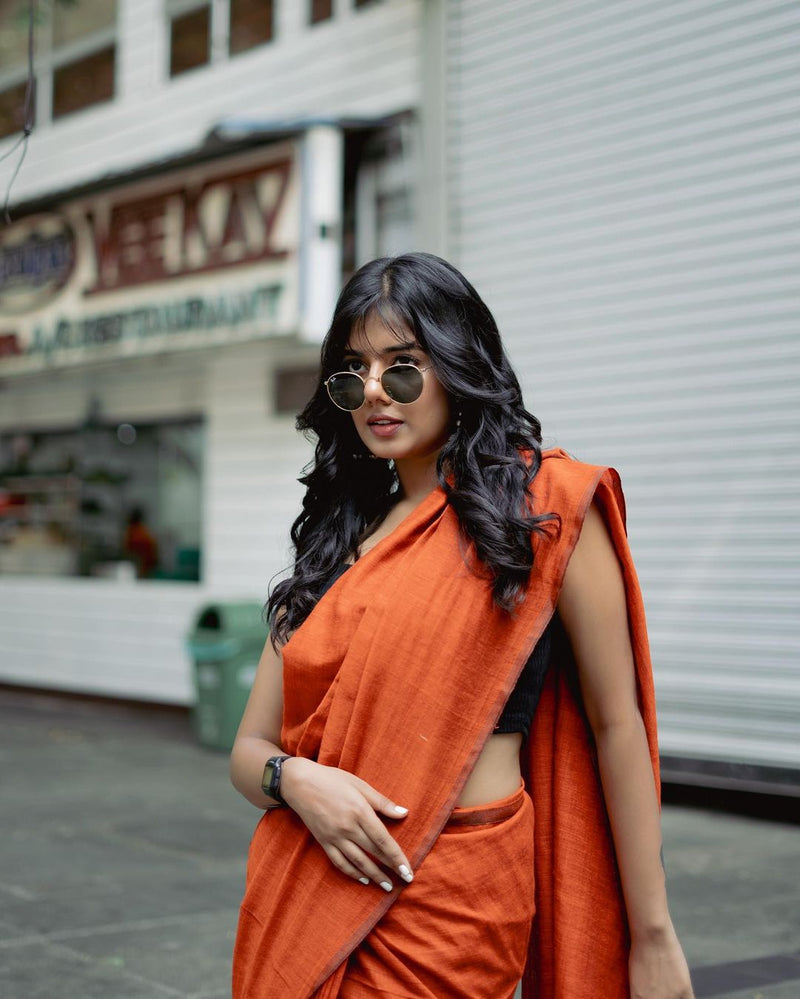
(386, 885)
(364, 881)
(405, 873)
(400, 810)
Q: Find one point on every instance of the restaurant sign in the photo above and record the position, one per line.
(205, 256)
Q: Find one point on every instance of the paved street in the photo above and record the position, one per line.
(122, 849)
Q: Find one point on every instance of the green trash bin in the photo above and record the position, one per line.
(225, 647)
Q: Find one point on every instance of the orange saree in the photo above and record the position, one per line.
(399, 675)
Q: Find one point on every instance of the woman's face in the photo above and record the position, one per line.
(414, 432)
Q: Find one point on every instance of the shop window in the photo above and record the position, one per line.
(119, 501)
(320, 10)
(190, 41)
(75, 46)
(251, 24)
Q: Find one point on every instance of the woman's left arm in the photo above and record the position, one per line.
(593, 609)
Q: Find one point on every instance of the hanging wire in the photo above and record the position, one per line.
(27, 114)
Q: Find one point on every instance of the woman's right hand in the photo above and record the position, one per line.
(341, 812)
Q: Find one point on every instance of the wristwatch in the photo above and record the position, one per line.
(271, 781)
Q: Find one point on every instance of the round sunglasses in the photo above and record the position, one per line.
(403, 383)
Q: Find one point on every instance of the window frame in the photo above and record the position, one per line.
(311, 21)
(12, 83)
(220, 32)
(175, 9)
(47, 59)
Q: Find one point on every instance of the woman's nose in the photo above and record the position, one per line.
(373, 389)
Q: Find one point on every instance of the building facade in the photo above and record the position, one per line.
(178, 238)
(618, 180)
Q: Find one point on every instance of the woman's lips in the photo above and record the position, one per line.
(384, 426)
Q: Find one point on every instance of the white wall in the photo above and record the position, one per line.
(97, 636)
(362, 62)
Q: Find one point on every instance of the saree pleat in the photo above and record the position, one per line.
(454, 926)
(399, 675)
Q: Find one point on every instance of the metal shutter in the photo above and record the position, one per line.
(624, 193)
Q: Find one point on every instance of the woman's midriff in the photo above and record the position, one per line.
(496, 773)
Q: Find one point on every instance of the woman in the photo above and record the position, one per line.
(449, 576)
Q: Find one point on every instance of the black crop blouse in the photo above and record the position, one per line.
(520, 707)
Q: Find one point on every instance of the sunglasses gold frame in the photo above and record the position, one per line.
(363, 380)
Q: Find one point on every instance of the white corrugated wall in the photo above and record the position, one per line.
(624, 191)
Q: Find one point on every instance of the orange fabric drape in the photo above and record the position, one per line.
(579, 949)
(454, 926)
(399, 675)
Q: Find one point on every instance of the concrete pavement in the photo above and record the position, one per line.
(122, 853)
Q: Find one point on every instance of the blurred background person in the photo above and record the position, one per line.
(140, 544)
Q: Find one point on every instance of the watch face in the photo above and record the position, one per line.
(266, 780)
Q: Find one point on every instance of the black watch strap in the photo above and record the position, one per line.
(271, 781)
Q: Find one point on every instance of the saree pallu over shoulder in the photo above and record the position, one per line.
(580, 944)
(399, 675)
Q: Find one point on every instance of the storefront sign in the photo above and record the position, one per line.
(206, 256)
(192, 315)
(193, 228)
(37, 257)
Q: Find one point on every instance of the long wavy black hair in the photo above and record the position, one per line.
(485, 468)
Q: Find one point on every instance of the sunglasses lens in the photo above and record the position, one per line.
(346, 390)
(403, 383)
